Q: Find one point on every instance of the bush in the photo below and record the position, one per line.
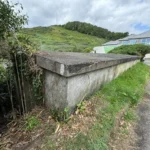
(3, 76)
(5, 104)
(137, 49)
(87, 50)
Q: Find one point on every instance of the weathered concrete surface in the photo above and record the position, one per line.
(143, 127)
(71, 77)
(70, 64)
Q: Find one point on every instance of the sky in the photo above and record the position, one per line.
(115, 15)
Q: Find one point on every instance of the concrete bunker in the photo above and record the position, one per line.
(71, 77)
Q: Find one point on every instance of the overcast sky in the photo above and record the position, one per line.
(116, 15)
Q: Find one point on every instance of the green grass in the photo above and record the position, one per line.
(130, 115)
(126, 90)
(57, 38)
(108, 48)
(32, 122)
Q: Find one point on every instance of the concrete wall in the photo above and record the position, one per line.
(71, 77)
(99, 49)
(147, 59)
(62, 92)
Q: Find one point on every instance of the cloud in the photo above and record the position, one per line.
(115, 15)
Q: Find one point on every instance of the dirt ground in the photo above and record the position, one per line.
(133, 135)
(125, 138)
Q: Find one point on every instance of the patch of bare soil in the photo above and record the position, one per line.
(125, 138)
(79, 122)
(18, 136)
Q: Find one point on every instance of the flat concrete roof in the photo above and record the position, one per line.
(70, 64)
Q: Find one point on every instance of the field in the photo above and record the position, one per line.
(56, 38)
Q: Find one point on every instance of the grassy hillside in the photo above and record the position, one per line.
(56, 38)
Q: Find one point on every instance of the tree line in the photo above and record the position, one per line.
(90, 29)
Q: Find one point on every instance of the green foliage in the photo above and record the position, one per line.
(134, 97)
(4, 49)
(10, 19)
(130, 115)
(81, 106)
(18, 50)
(32, 122)
(3, 74)
(37, 85)
(90, 29)
(3, 86)
(136, 49)
(61, 115)
(87, 50)
(55, 38)
(29, 70)
(27, 76)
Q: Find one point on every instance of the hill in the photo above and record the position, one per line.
(56, 38)
(90, 29)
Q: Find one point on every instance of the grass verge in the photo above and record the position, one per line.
(125, 91)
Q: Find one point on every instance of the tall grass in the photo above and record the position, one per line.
(56, 38)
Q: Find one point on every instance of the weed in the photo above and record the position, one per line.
(32, 122)
(124, 131)
(60, 115)
(130, 115)
(66, 114)
(81, 106)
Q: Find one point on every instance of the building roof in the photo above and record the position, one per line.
(132, 36)
(139, 36)
(111, 43)
(143, 35)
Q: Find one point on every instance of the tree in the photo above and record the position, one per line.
(90, 29)
(11, 20)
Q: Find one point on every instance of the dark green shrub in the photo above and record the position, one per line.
(32, 122)
(137, 49)
(87, 50)
(3, 76)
